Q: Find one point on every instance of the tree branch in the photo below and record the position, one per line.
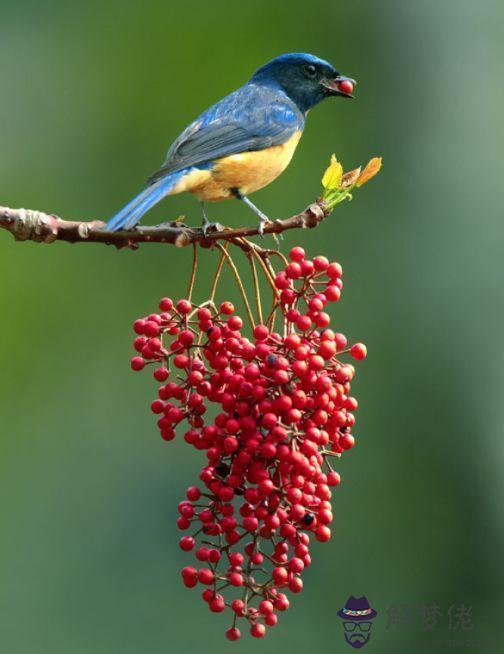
(29, 225)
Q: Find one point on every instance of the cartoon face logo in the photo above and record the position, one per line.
(357, 616)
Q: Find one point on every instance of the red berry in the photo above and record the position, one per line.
(233, 634)
(333, 478)
(137, 363)
(138, 326)
(341, 341)
(320, 263)
(154, 344)
(332, 293)
(334, 270)
(322, 533)
(151, 329)
(214, 556)
(235, 323)
(166, 304)
(358, 351)
(346, 86)
(217, 605)
(161, 374)
(296, 585)
(307, 268)
(236, 559)
(236, 579)
(157, 406)
(271, 619)
(266, 607)
(227, 308)
(204, 314)
(296, 565)
(250, 523)
(347, 441)
(297, 254)
(280, 575)
(327, 349)
(186, 543)
(238, 606)
(190, 576)
(206, 576)
(202, 553)
(261, 332)
(282, 603)
(183, 307)
(258, 630)
(207, 595)
(186, 337)
(293, 270)
(304, 323)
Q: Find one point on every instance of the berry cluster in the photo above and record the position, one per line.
(283, 410)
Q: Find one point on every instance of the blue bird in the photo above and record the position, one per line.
(243, 142)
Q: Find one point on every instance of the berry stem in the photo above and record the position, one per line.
(239, 282)
(218, 274)
(193, 271)
(270, 321)
(279, 254)
(257, 290)
(260, 256)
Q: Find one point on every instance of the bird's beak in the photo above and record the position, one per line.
(332, 85)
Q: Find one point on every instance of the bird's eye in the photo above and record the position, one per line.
(310, 70)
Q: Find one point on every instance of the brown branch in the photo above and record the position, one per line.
(28, 225)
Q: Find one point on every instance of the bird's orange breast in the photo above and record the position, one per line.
(247, 172)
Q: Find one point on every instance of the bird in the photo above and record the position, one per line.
(243, 142)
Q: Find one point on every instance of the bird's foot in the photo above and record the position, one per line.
(208, 227)
(263, 221)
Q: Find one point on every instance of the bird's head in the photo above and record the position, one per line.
(306, 79)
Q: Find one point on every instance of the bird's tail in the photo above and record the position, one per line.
(134, 210)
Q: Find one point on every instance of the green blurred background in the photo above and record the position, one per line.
(92, 95)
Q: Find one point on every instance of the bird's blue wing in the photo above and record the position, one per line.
(251, 118)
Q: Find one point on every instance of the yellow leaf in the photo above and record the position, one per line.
(332, 176)
(372, 168)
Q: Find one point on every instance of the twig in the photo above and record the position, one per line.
(29, 225)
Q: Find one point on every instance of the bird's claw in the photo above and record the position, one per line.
(209, 227)
(263, 221)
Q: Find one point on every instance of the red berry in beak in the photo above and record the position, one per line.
(346, 86)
